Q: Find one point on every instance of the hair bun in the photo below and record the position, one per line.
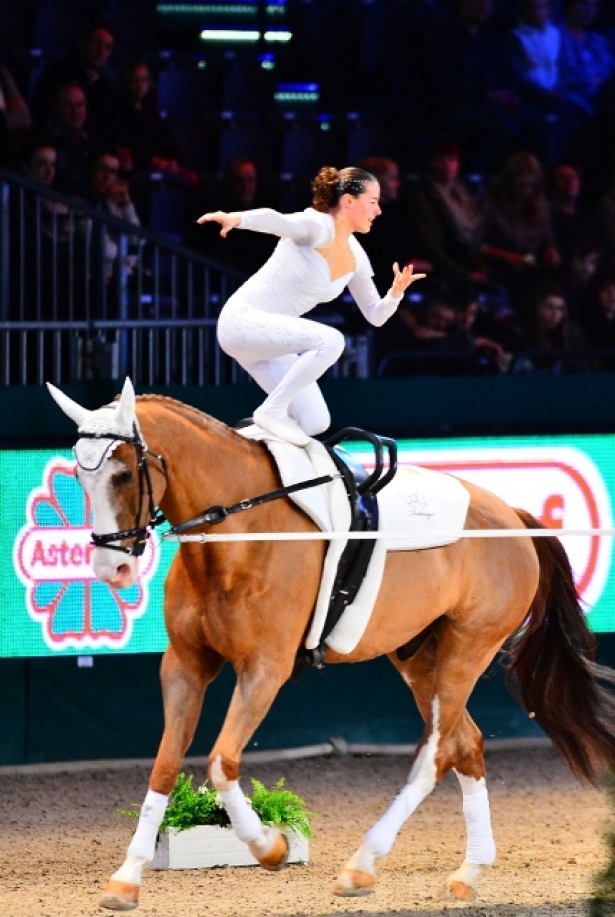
(324, 189)
(331, 183)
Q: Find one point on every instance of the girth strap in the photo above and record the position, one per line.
(353, 563)
(355, 558)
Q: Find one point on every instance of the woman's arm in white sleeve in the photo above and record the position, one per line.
(375, 309)
(305, 228)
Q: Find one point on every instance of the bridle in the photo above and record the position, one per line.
(140, 533)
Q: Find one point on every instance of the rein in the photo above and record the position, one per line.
(217, 514)
(140, 533)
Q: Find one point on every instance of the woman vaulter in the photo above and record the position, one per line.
(261, 324)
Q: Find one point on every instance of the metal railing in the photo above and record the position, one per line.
(84, 295)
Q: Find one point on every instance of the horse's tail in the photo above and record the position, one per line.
(551, 667)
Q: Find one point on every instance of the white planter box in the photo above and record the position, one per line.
(210, 845)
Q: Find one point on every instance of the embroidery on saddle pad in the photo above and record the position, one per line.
(428, 508)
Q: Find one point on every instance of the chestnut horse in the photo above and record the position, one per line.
(461, 602)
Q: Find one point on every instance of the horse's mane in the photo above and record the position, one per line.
(202, 420)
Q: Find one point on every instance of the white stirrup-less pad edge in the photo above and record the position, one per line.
(417, 501)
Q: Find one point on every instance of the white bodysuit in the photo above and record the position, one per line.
(261, 325)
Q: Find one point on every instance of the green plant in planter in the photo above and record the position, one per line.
(202, 806)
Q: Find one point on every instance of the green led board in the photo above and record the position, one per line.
(53, 605)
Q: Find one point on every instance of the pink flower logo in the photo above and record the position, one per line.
(52, 556)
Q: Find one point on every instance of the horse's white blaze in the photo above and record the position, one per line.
(113, 567)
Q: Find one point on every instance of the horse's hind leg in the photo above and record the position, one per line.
(359, 874)
(451, 739)
(480, 847)
(183, 688)
(469, 766)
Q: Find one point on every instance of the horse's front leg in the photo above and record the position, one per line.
(184, 681)
(257, 686)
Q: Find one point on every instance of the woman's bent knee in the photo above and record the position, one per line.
(333, 343)
(317, 421)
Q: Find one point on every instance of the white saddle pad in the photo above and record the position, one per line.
(415, 504)
(423, 508)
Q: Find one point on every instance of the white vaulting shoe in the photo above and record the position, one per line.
(252, 431)
(283, 427)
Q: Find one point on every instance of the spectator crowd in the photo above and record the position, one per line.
(494, 149)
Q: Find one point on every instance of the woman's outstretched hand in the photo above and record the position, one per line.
(227, 221)
(402, 279)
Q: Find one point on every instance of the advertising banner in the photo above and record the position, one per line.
(566, 482)
(53, 605)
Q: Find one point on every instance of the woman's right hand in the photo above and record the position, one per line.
(227, 221)
(402, 279)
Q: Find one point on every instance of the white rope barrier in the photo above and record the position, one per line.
(448, 535)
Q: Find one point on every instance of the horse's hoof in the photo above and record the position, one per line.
(276, 857)
(120, 896)
(461, 885)
(460, 891)
(352, 883)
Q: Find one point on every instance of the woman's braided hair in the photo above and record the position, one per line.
(330, 184)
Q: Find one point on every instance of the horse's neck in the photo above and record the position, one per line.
(206, 463)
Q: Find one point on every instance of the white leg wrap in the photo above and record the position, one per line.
(131, 870)
(143, 843)
(382, 835)
(246, 823)
(364, 860)
(481, 845)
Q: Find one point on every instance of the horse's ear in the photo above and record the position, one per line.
(70, 407)
(126, 408)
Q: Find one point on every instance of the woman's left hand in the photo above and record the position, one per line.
(402, 279)
(227, 221)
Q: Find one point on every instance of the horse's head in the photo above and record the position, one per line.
(113, 469)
